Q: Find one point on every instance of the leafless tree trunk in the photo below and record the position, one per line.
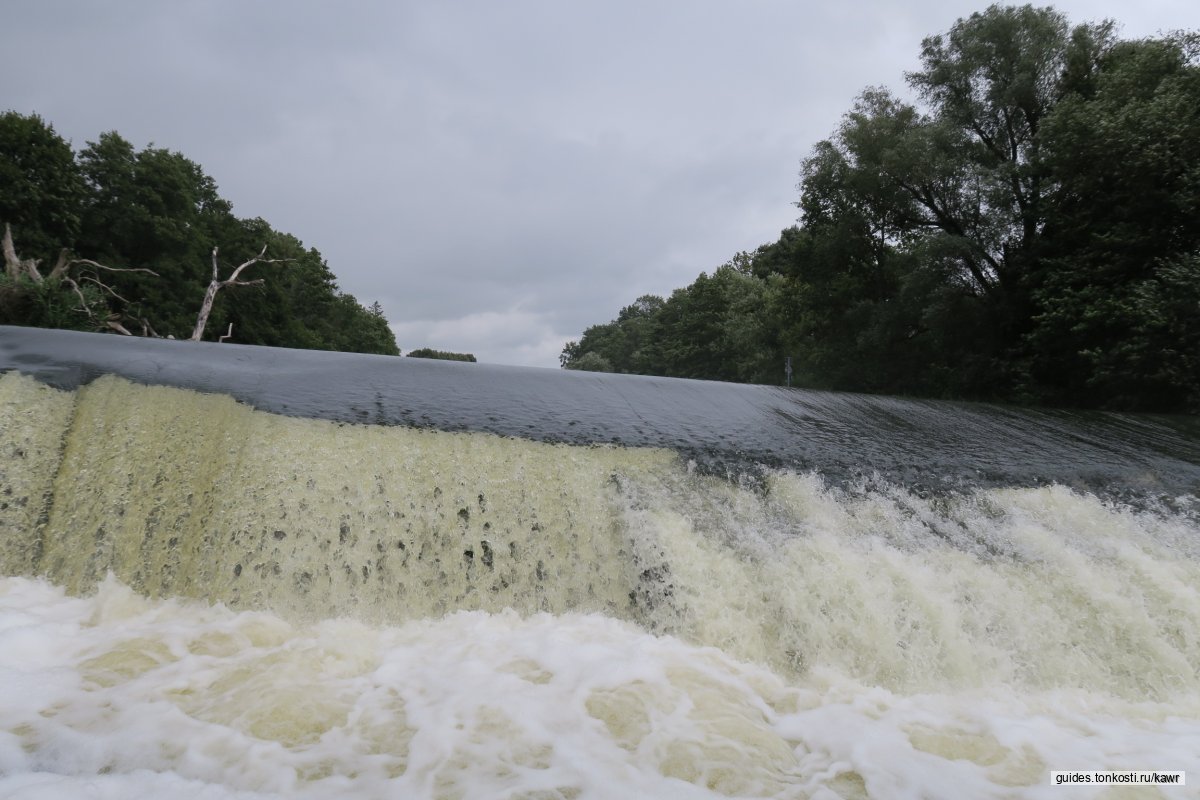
(216, 285)
(14, 267)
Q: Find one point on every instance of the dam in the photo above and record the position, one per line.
(232, 571)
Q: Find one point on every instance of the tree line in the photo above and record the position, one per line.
(443, 355)
(136, 236)
(1028, 230)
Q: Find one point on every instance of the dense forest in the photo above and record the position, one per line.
(1028, 231)
(131, 237)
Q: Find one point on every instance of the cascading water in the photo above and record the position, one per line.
(213, 600)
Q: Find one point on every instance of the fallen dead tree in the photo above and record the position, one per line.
(86, 273)
(82, 277)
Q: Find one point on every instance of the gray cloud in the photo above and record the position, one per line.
(498, 175)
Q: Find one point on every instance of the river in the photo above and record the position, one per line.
(231, 572)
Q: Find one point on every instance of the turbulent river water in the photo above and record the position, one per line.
(312, 575)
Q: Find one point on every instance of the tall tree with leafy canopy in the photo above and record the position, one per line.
(1118, 306)
(154, 209)
(990, 84)
(960, 183)
(711, 329)
(630, 343)
(41, 187)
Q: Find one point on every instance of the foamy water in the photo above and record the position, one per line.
(207, 601)
(116, 696)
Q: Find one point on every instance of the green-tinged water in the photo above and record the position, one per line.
(209, 597)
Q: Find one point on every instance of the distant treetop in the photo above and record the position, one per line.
(426, 352)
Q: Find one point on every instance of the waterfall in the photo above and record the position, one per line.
(209, 595)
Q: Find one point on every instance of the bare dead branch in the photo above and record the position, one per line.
(103, 286)
(98, 265)
(233, 278)
(227, 334)
(83, 303)
(216, 285)
(60, 266)
(110, 321)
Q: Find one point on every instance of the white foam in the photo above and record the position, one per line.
(117, 696)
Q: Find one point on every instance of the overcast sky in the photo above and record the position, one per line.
(498, 175)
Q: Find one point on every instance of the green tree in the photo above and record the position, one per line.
(942, 210)
(299, 303)
(712, 329)
(627, 344)
(42, 188)
(1116, 314)
(155, 209)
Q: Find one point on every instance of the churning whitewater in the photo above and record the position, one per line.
(212, 601)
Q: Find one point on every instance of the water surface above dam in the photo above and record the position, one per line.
(723, 428)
